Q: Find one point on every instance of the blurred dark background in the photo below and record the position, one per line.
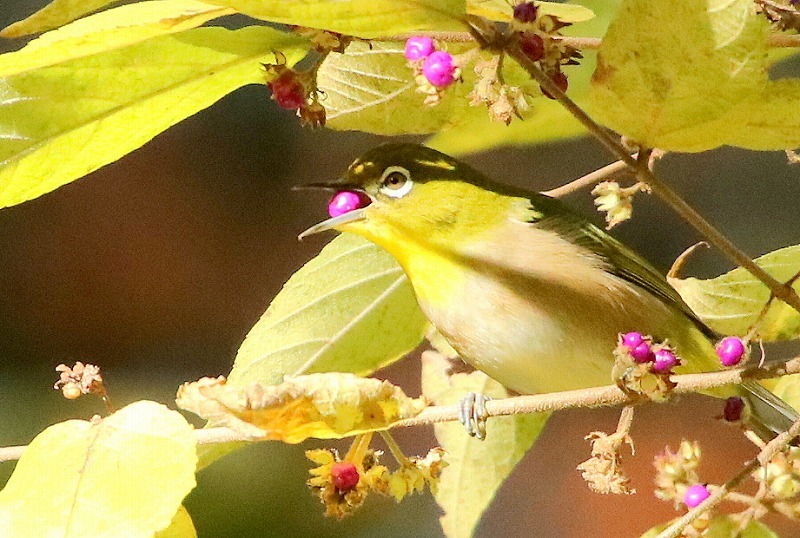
(156, 266)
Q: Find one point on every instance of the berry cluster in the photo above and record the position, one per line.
(343, 484)
(437, 66)
(535, 38)
(661, 358)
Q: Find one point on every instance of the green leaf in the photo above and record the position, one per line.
(350, 309)
(371, 88)
(692, 75)
(60, 121)
(124, 475)
(181, 526)
(731, 303)
(361, 18)
(547, 121)
(476, 469)
(724, 526)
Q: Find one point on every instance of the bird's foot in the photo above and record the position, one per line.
(472, 414)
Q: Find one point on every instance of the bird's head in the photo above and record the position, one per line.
(398, 194)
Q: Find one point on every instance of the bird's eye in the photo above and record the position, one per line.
(396, 182)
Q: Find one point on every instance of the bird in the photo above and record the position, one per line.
(524, 288)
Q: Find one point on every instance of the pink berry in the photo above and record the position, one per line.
(526, 12)
(695, 495)
(345, 202)
(642, 353)
(632, 339)
(664, 361)
(344, 475)
(419, 47)
(734, 406)
(439, 69)
(730, 351)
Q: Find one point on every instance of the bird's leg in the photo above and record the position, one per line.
(472, 414)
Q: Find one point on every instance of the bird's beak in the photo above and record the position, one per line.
(333, 222)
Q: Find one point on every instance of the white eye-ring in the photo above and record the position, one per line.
(396, 182)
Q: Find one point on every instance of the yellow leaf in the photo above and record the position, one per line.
(360, 18)
(53, 15)
(60, 121)
(691, 75)
(124, 475)
(502, 10)
(324, 406)
(181, 526)
(108, 30)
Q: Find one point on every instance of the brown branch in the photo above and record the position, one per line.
(604, 396)
(609, 395)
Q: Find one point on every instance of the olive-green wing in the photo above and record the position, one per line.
(552, 214)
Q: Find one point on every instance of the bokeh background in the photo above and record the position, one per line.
(155, 267)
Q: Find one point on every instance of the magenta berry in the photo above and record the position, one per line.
(730, 350)
(632, 339)
(345, 202)
(695, 495)
(344, 475)
(419, 47)
(734, 406)
(532, 45)
(526, 12)
(664, 361)
(642, 353)
(439, 69)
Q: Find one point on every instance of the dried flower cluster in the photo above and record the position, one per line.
(342, 495)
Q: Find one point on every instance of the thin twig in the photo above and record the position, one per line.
(776, 40)
(592, 397)
(625, 421)
(395, 449)
(764, 456)
(587, 180)
(661, 189)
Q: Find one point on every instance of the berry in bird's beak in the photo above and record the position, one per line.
(346, 201)
(345, 207)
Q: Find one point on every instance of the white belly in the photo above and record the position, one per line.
(545, 339)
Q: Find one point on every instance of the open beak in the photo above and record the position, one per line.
(333, 222)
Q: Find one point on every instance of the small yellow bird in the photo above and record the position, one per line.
(525, 290)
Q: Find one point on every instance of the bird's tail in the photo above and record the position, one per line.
(767, 415)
